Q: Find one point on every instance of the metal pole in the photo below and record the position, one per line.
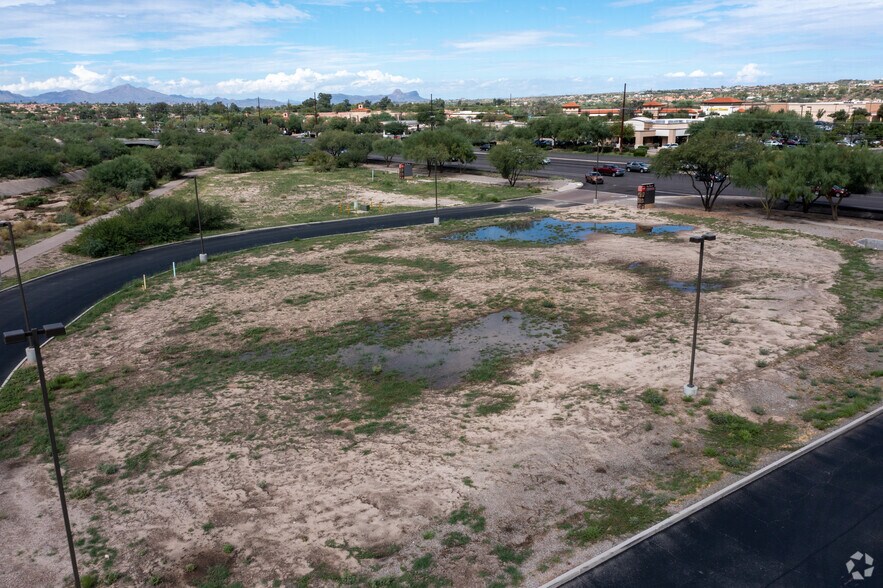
(32, 337)
(202, 256)
(696, 313)
(597, 161)
(35, 344)
(622, 120)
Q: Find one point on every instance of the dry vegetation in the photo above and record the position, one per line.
(213, 434)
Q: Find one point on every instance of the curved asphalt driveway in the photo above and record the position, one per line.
(62, 296)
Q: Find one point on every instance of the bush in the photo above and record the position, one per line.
(641, 151)
(29, 202)
(168, 162)
(158, 220)
(81, 155)
(81, 204)
(321, 161)
(117, 173)
(238, 160)
(66, 217)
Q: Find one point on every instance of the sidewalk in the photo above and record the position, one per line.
(7, 264)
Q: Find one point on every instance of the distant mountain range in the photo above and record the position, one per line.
(128, 93)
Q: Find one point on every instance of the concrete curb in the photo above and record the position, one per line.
(693, 508)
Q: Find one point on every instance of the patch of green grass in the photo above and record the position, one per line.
(612, 517)
(494, 366)
(360, 553)
(842, 401)
(736, 442)
(429, 295)
(685, 482)
(511, 555)
(456, 539)
(468, 516)
(140, 462)
(207, 319)
(21, 388)
(425, 264)
(858, 286)
(218, 576)
(499, 404)
(654, 398)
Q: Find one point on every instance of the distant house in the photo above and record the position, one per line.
(601, 112)
(571, 108)
(653, 107)
(662, 131)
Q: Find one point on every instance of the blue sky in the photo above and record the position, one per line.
(284, 49)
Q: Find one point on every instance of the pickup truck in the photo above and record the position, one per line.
(608, 169)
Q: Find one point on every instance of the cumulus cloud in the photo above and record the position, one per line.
(676, 74)
(749, 73)
(717, 74)
(697, 73)
(306, 80)
(81, 79)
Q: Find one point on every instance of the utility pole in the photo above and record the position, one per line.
(260, 120)
(622, 120)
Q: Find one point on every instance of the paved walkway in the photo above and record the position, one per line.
(7, 263)
(27, 185)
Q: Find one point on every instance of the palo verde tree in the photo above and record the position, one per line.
(388, 148)
(708, 158)
(436, 147)
(514, 158)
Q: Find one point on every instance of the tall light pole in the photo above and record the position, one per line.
(597, 163)
(32, 336)
(690, 389)
(203, 256)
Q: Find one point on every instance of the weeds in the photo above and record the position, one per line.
(736, 442)
(611, 517)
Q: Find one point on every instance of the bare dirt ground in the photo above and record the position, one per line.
(224, 453)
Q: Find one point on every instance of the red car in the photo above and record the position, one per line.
(608, 169)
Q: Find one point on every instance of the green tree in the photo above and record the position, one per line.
(436, 147)
(431, 114)
(388, 148)
(707, 158)
(118, 174)
(384, 103)
(514, 158)
(334, 142)
(323, 102)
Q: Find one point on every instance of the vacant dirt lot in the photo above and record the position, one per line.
(214, 431)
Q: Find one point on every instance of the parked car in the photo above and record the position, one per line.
(594, 178)
(669, 146)
(609, 169)
(834, 192)
(546, 161)
(543, 143)
(772, 143)
(638, 166)
(485, 147)
(717, 177)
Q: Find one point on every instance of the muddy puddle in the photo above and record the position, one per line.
(663, 278)
(443, 362)
(551, 231)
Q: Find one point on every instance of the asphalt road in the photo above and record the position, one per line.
(62, 296)
(798, 526)
(575, 166)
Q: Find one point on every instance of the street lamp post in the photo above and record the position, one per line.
(690, 389)
(32, 337)
(597, 162)
(203, 256)
(436, 220)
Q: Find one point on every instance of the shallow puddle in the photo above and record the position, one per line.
(681, 286)
(552, 231)
(442, 362)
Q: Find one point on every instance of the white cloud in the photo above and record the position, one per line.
(82, 79)
(12, 3)
(697, 73)
(512, 40)
(379, 8)
(749, 73)
(308, 80)
(717, 74)
(676, 74)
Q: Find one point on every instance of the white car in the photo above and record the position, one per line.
(546, 161)
(669, 146)
(772, 143)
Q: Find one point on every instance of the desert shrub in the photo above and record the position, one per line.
(81, 204)
(32, 201)
(66, 217)
(117, 173)
(321, 161)
(238, 160)
(168, 162)
(81, 155)
(158, 220)
(135, 187)
(641, 151)
(109, 148)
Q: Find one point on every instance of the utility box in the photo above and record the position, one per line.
(647, 196)
(406, 170)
